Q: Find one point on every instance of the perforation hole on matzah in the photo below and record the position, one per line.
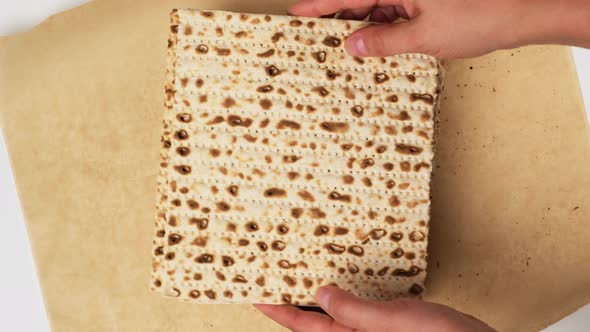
(288, 164)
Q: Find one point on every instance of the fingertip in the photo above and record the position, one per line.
(268, 310)
(292, 12)
(313, 8)
(355, 45)
(263, 307)
(301, 8)
(323, 296)
(295, 10)
(350, 310)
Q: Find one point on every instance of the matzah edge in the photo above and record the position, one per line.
(295, 285)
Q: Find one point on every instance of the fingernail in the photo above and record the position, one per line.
(323, 296)
(356, 46)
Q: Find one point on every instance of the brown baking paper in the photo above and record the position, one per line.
(81, 100)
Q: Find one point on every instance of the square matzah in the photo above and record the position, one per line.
(288, 164)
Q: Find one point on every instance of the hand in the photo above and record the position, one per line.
(349, 313)
(456, 28)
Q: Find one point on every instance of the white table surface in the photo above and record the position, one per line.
(21, 303)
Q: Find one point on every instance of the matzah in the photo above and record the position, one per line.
(288, 164)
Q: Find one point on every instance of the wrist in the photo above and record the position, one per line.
(564, 22)
(575, 23)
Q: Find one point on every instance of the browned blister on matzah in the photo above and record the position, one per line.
(288, 164)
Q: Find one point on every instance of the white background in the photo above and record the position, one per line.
(21, 304)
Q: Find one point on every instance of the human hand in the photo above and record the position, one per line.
(456, 28)
(349, 313)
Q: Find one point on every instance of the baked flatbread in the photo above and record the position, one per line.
(288, 164)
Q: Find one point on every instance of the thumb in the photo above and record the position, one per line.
(388, 39)
(350, 310)
(403, 314)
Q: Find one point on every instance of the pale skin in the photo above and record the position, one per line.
(456, 28)
(348, 313)
(446, 29)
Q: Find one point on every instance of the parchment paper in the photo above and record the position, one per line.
(80, 104)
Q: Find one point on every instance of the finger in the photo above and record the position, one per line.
(299, 320)
(384, 15)
(355, 14)
(349, 310)
(317, 8)
(389, 39)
